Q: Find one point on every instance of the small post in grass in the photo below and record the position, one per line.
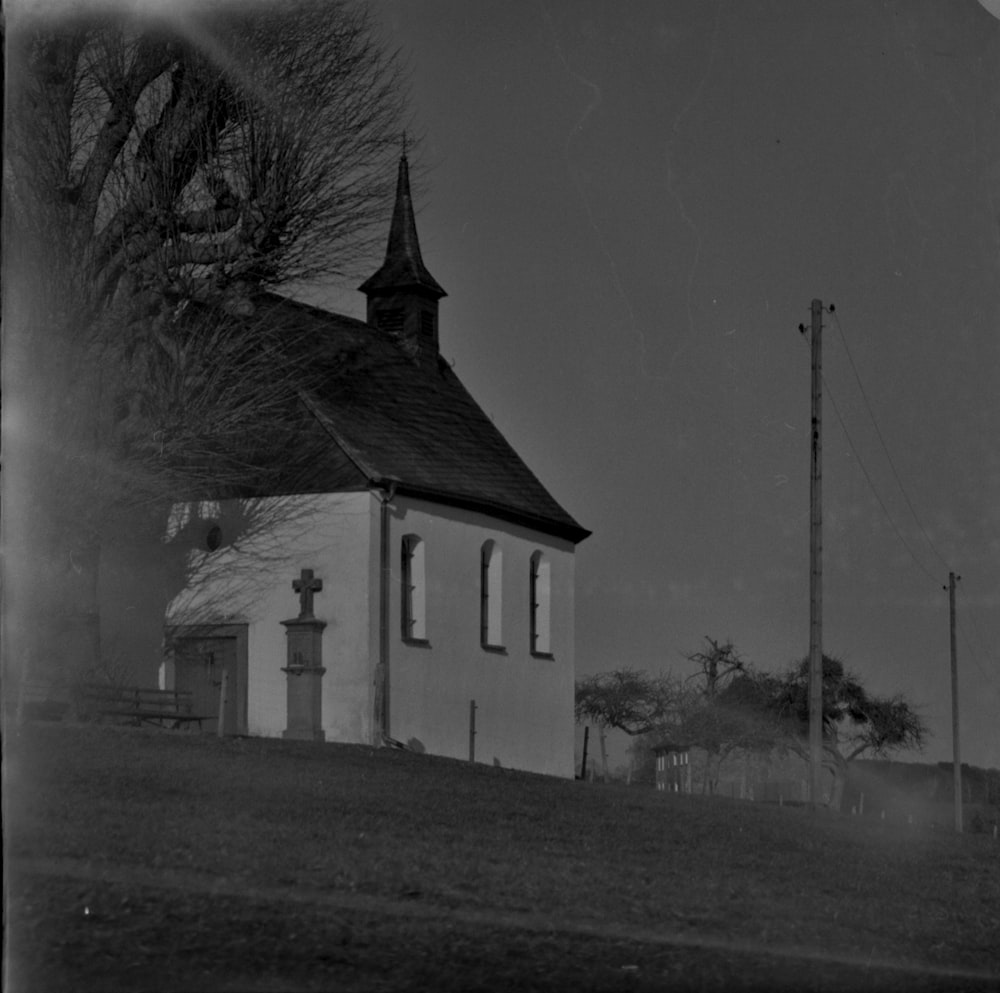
(583, 764)
(472, 730)
(223, 693)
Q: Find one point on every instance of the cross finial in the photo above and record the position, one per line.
(306, 586)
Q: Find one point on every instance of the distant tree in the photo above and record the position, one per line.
(727, 709)
(736, 719)
(643, 759)
(738, 707)
(160, 171)
(711, 709)
(856, 723)
(629, 700)
(729, 705)
(717, 664)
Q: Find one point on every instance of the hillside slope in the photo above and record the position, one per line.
(139, 856)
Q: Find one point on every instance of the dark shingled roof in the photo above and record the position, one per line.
(391, 418)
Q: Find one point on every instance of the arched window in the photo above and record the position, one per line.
(541, 605)
(414, 591)
(491, 595)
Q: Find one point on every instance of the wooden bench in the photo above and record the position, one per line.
(172, 708)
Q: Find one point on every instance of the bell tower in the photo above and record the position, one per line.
(402, 295)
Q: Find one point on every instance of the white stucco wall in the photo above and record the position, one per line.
(335, 535)
(524, 716)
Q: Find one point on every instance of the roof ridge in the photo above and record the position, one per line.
(349, 450)
(321, 313)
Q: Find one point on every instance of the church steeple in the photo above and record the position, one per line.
(402, 295)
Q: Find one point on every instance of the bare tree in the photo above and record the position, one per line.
(159, 176)
(717, 663)
(717, 709)
(735, 720)
(721, 713)
(855, 721)
(741, 708)
(730, 706)
(629, 700)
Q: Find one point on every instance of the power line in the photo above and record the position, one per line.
(885, 510)
(975, 659)
(972, 650)
(968, 615)
(902, 489)
(979, 634)
(885, 448)
(871, 484)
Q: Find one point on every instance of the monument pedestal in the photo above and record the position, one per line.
(305, 679)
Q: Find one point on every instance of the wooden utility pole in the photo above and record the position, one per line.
(816, 565)
(956, 754)
(583, 764)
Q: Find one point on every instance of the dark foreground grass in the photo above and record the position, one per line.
(144, 860)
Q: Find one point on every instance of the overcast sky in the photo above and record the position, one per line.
(631, 207)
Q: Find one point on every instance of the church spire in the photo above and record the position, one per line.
(402, 295)
(403, 265)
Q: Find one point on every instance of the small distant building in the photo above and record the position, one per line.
(770, 777)
(673, 768)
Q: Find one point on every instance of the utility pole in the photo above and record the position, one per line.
(816, 565)
(956, 754)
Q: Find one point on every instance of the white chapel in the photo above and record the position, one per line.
(422, 591)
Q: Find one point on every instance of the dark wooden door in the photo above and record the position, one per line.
(199, 665)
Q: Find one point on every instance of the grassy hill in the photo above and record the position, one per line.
(164, 860)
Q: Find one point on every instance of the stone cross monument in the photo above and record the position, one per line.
(306, 586)
(304, 669)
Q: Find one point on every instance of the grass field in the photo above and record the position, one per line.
(147, 860)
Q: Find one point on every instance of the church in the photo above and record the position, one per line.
(421, 593)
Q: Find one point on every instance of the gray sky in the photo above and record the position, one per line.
(631, 207)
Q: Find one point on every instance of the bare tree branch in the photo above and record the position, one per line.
(627, 699)
(151, 60)
(159, 180)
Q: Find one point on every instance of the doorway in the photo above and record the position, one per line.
(201, 655)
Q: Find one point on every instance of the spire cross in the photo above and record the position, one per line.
(404, 143)
(306, 586)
